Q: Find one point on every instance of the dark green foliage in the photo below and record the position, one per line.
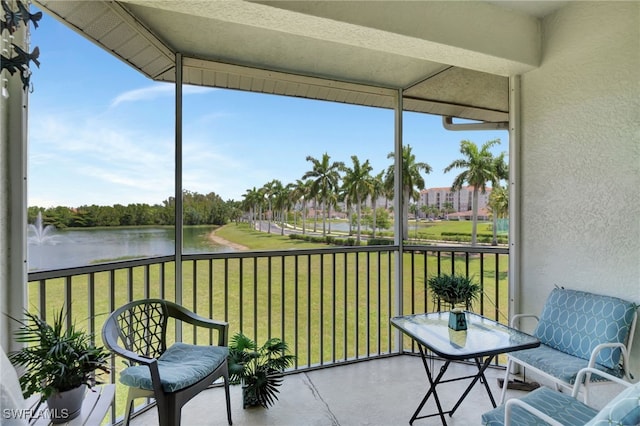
(326, 240)
(466, 237)
(454, 289)
(380, 242)
(198, 209)
(56, 358)
(259, 369)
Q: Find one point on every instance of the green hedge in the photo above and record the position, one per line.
(350, 241)
(380, 242)
(326, 240)
(466, 237)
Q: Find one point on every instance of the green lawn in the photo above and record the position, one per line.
(258, 240)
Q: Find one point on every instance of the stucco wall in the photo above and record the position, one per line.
(580, 157)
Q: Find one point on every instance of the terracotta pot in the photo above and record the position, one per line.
(64, 406)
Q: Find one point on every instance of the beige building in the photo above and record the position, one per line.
(460, 201)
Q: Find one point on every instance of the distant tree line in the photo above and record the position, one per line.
(198, 209)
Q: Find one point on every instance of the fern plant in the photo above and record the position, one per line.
(258, 369)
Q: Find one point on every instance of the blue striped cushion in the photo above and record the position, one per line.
(559, 406)
(180, 366)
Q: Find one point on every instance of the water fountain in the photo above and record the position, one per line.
(40, 234)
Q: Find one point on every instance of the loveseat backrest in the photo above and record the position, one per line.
(575, 322)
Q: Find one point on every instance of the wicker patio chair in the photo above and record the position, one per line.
(138, 332)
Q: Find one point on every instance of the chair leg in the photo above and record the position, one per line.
(587, 379)
(129, 408)
(174, 413)
(228, 398)
(164, 413)
(505, 383)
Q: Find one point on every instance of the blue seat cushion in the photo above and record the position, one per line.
(558, 364)
(559, 406)
(179, 366)
(575, 322)
(624, 409)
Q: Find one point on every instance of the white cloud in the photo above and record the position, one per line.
(159, 90)
(85, 161)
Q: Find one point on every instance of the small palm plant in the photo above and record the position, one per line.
(259, 369)
(56, 358)
(454, 289)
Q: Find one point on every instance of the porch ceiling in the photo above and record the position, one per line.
(451, 58)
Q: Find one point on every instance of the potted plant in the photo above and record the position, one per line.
(454, 289)
(258, 369)
(59, 362)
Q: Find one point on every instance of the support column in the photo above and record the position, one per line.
(178, 189)
(13, 194)
(397, 213)
(514, 196)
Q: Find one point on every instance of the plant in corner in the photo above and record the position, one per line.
(258, 369)
(59, 362)
(454, 289)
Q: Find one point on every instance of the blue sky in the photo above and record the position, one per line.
(101, 133)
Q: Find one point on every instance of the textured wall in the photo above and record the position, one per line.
(580, 157)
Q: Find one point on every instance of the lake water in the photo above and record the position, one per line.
(66, 248)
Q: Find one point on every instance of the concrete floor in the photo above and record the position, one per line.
(379, 392)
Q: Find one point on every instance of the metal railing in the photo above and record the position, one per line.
(332, 306)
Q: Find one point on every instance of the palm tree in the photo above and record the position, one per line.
(348, 204)
(357, 186)
(269, 190)
(282, 202)
(301, 192)
(252, 200)
(332, 202)
(411, 179)
(447, 208)
(501, 169)
(413, 209)
(499, 205)
(377, 190)
(478, 169)
(325, 176)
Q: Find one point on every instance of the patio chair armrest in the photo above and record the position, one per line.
(508, 407)
(183, 314)
(518, 317)
(582, 377)
(601, 346)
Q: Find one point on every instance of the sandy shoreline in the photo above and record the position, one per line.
(221, 241)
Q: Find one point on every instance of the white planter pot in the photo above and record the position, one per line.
(67, 405)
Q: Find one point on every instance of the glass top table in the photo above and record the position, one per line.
(481, 342)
